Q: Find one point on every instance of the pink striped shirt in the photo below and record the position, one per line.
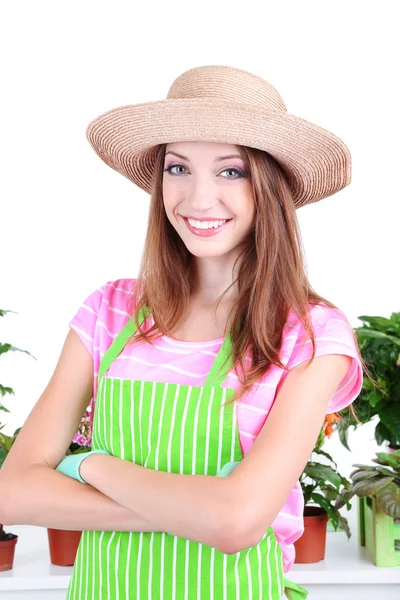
(104, 313)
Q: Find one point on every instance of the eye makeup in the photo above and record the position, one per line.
(239, 171)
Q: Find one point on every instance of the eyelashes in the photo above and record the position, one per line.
(239, 172)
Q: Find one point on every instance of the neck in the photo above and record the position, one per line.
(212, 276)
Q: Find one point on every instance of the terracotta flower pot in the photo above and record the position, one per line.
(63, 545)
(310, 547)
(7, 552)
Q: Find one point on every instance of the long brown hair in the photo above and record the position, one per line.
(271, 277)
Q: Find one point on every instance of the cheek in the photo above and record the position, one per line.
(168, 198)
(244, 207)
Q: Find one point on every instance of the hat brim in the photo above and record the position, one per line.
(317, 163)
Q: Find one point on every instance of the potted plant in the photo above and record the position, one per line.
(322, 487)
(378, 490)
(8, 541)
(63, 543)
(379, 341)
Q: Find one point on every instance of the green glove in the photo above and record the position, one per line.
(227, 469)
(70, 464)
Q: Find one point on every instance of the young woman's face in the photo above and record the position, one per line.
(205, 183)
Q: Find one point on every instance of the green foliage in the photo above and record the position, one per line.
(6, 441)
(381, 480)
(379, 340)
(324, 486)
(4, 348)
(75, 448)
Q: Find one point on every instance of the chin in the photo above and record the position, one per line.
(204, 252)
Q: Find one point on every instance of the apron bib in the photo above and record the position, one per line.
(178, 429)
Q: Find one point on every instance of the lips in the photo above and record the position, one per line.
(206, 232)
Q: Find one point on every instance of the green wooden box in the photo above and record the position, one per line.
(378, 533)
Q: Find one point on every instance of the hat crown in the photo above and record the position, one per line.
(226, 83)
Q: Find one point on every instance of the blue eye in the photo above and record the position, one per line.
(173, 167)
(239, 172)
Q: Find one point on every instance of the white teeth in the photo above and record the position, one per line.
(206, 224)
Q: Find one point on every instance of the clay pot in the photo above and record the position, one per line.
(310, 548)
(7, 552)
(63, 545)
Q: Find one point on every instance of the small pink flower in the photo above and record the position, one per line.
(83, 436)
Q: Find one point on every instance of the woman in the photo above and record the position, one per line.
(213, 370)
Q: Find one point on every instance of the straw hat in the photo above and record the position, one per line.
(227, 105)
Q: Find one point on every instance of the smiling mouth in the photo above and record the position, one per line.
(205, 228)
(205, 224)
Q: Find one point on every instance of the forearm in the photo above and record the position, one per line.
(194, 507)
(42, 496)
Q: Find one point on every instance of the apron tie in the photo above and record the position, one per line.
(294, 591)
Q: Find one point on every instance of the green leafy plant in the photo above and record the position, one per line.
(379, 341)
(4, 348)
(6, 441)
(381, 480)
(323, 485)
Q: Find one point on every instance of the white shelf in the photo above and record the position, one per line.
(346, 566)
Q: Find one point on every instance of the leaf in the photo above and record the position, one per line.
(3, 392)
(381, 323)
(321, 501)
(386, 472)
(390, 417)
(384, 458)
(373, 471)
(307, 491)
(361, 475)
(5, 442)
(9, 348)
(3, 456)
(343, 430)
(329, 492)
(371, 486)
(343, 499)
(389, 500)
(4, 312)
(378, 335)
(322, 473)
(328, 507)
(344, 524)
(366, 467)
(382, 433)
(323, 453)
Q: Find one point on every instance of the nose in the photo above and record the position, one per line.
(202, 196)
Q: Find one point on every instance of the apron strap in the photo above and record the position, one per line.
(120, 341)
(294, 591)
(216, 376)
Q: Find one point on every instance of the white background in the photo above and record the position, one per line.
(69, 223)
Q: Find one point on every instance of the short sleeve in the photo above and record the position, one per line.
(84, 321)
(101, 317)
(333, 335)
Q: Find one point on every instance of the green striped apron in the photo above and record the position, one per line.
(178, 429)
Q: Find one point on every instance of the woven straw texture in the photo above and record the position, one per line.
(226, 105)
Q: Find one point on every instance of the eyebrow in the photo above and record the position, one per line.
(217, 159)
